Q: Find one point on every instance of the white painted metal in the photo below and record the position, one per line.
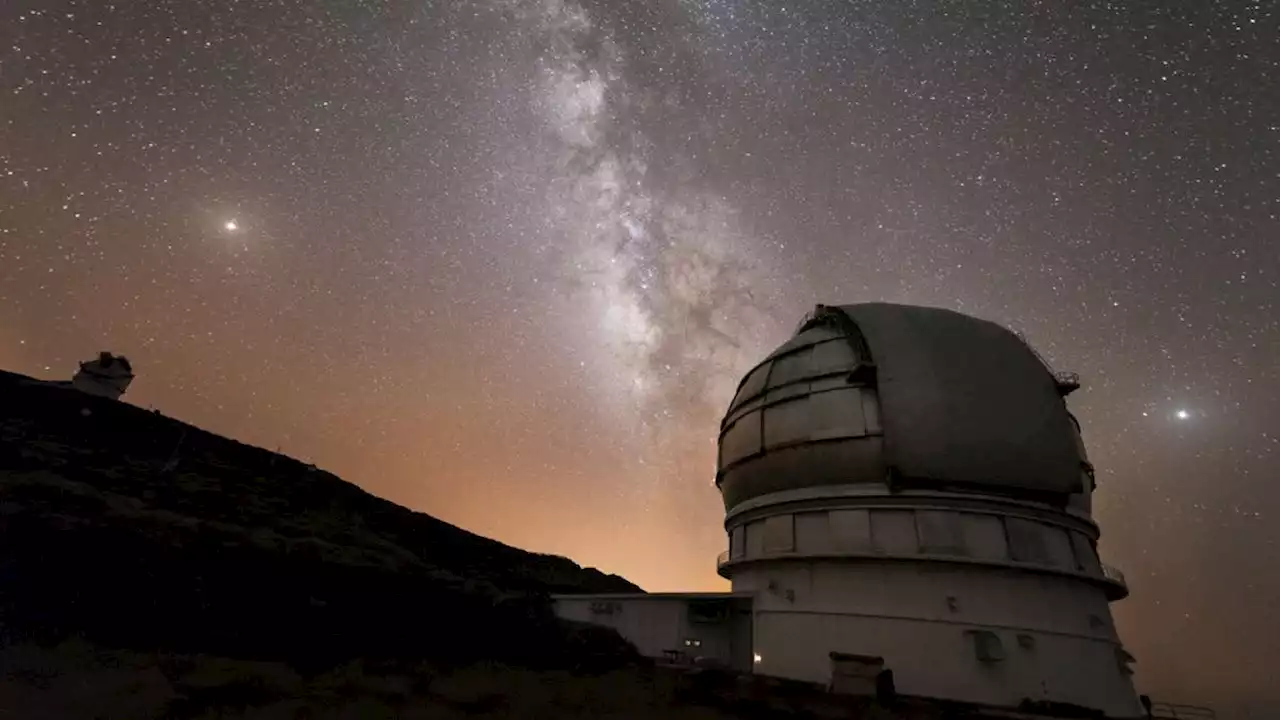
(924, 585)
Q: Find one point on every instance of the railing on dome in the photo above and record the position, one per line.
(1067, 382)
(818, 311)
(1110, 573)
(1113, 574)
(835, 317)
(1168, 711)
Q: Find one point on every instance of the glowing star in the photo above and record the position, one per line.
(230, 226)
(1182, 414)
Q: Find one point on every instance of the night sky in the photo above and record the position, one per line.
(504, 261)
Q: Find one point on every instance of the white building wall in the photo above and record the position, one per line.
(653, 626)
(1056, 632)
(658, 623)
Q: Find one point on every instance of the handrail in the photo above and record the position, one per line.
(1170, 711)
(1113, 574)
(1066, 382)
(1108, 573)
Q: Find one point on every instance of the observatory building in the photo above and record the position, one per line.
(905, 490)
(106, 376)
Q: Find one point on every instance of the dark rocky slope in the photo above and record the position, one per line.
(134, 530)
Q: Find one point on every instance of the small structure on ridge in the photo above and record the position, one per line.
(106, 376)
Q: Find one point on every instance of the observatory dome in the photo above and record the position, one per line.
(905, 485)
(914, 397)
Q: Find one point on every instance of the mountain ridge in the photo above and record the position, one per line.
(135, 529)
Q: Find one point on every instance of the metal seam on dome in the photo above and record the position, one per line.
(817, 318)
(736, 402)
(789, 445)
(768, 376)
(737, 412)
(821, 315)
(826, 313)
(830, 315)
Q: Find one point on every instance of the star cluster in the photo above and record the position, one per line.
(503, 261)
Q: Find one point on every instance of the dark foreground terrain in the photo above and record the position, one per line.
(77, 680)
(121, 528)
(149, 569)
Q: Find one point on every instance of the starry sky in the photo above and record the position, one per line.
(504, 261)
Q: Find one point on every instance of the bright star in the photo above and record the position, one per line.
(231, 226)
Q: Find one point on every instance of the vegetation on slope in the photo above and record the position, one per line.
(135, 530)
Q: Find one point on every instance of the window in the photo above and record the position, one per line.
(755, 538)
(940, 532)
(1026, 541)
(779, 533)
(850, 530)
(813, 532)
(984, 536)
(894, 532)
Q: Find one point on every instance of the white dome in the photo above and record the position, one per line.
(904, 395)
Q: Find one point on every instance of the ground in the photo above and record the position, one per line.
(75, 679)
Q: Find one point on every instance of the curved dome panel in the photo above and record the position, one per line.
(807, 415)
(879, 392)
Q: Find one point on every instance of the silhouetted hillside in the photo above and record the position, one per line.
(132, 529)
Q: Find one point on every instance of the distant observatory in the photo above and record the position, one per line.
(106, 376)
(905, 490)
